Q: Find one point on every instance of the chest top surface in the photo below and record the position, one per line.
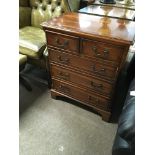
(106, 28)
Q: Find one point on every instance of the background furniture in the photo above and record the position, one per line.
(119, 3)
(86, 57)
(32, 13)
(88, 2)
(123, 82)
(108, 1)
(22, 63)
(109, 11)
(124, 143)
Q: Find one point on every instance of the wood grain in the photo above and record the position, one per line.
(86, 55)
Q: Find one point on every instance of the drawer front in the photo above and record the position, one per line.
(80, 95)
(94, 68)
(63, 41)
(98, 86)
(102, 51)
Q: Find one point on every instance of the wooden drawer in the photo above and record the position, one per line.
(98, 86)
(88, 65)
(81, 95)
(63, 41)
(102, 51)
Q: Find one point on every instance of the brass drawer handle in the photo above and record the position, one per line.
(63, 60)
(63, 75)
(102, 71)
(98, 102)
(97, 54)
(93, 100)
(57, 41)
(65, 89)
(96, 86)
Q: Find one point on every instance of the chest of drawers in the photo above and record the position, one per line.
(85, 63)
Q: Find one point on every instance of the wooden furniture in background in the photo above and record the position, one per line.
(85, 3)
(110, 11)
(88, 1)
(86, 54)
(119, 4)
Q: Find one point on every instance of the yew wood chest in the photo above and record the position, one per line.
(86, 54)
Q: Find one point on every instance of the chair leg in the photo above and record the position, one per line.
(48, 72)
(25, 83)
(49, 79)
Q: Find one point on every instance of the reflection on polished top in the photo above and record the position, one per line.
(109, 11)
(119, 4)
(90, 25)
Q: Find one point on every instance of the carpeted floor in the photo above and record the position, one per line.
(55, 127)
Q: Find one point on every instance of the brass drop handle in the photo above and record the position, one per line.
(65, 89)
(63, 60)
(96, 86)
(63, 75)
(101, 71)
(57, 41)
(97, 54)
(93, 100)
(105, 53)
(98, 102)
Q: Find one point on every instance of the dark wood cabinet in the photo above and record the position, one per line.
(84, 63)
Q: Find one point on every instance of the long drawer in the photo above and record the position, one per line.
(88, 65)
(102, 51)
(98, 86)
(81, 95)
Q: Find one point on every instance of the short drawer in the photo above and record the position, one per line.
(63, 41)
(87, 65)
(97, 86)
(102, 51)
(81, 95)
